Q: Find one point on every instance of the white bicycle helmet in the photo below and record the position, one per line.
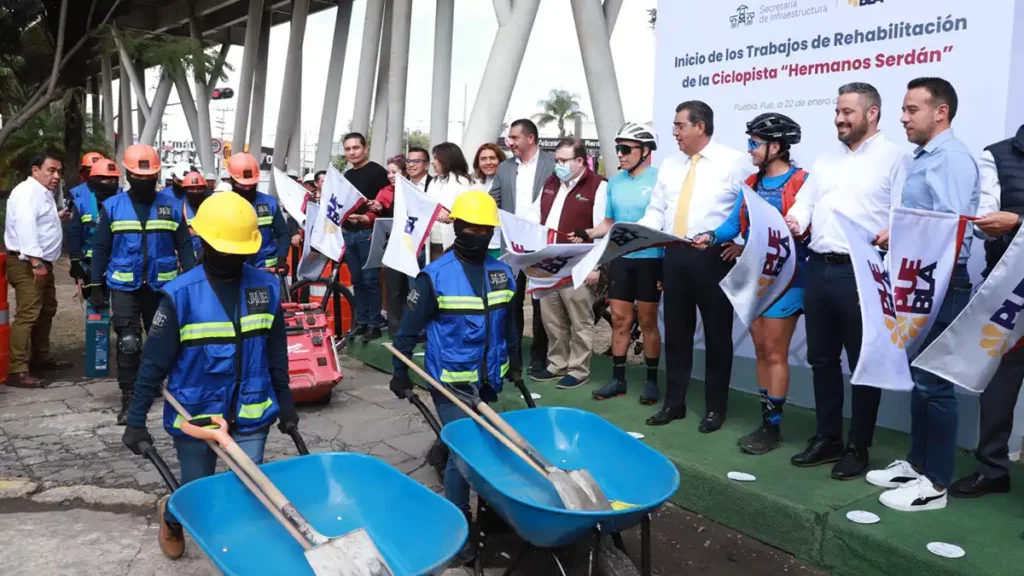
(642, 133)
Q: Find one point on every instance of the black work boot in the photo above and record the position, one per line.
(765, 439)
(126, 401)
(613, 388)
(764, 418)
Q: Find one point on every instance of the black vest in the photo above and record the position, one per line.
(1009, 157)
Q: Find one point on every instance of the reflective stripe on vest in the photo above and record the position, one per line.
(126, 226)
(208, 330)
(125, 277)
(136, 226)
(255, 411)
(88, 253)
(460, 303)
(178, 420)
(264, 220)
(470, 376)
(166, 276)
(270, 262)
(86, 218)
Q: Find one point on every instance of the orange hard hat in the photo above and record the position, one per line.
(244, 169)
(194, 180)
(142, 160)
(90, 158)
(104, 168)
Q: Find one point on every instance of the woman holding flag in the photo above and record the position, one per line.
(777, 181)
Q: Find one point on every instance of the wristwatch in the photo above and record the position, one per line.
(38, 266)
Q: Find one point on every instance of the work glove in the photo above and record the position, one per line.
(514, 374)
(288, 418)
(400, 386)
(581, 233)
(134, 437)
(98, 296)
(77, 272)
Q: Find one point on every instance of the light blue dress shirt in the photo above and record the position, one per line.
(944, 177)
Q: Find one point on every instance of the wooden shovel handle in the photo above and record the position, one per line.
(469, 411)
(513, 435)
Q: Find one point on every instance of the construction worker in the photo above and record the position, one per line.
(195, 192)
(211, 182)
(140, 238)
(101, 184)
(245, 175)
(219, 340)
(464, 301)
(178, 173)
(84, 169)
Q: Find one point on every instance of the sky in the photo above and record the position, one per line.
(552, 60)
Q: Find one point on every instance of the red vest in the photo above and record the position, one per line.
(789, 191)
(578, 210)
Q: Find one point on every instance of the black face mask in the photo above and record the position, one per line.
(178, 190)
(468, 246)
(221, 266)
(248, 194)
(196, 198)
(142, 189)
(103, 190)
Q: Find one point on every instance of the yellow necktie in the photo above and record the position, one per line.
(685, 195)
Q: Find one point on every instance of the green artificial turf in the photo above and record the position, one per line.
(801, 511)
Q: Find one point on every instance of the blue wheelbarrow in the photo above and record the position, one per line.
(416, 531)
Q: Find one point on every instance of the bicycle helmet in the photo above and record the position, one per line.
(774, 127)
(642, 133)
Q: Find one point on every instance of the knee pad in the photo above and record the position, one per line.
(129, 344)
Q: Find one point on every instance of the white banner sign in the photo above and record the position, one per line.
(883, 360)
(523, 236)
(622, 238)
(416, 213)
(291, 194)
(312, 263)
(378, 242)
(923, 249)
(969, 351)
(765, 270)
(549, 268)
(339, 200)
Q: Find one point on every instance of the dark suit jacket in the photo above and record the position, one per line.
(503, 189)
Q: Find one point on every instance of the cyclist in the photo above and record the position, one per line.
(635, 277)
(778, 181)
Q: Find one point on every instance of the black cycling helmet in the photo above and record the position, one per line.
(775, 127)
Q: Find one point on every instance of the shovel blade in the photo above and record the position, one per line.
(573, 496)
(586, 482)
(351, 554)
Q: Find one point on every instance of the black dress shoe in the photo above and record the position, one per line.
(666, 415)
(372, 333)
(977, 485)
(852, 464)
(711, 422)
(819, 451)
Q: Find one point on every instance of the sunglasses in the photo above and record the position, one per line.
(626, 149)
(754, 144)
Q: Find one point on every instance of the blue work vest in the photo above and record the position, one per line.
(468, 327)
(222, 368)
(189, 213)
(140, 256)
(266, 208)
(79, 191)
(88, 211)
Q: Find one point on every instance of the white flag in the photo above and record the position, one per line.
(622, 238)
(969, 351)
(765, 270)
(378, 242)
(523, 236)
(312, 263)
(883, 360)
(923, 249)
(549, 268)
(339, 200)
(416, 213)
(291, 194)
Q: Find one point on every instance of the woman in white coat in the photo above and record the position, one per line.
(451, 181)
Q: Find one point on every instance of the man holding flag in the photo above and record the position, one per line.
(943, 177)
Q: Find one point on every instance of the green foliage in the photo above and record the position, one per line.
(169, 51)
(415, 138)
(559, 106)
(340, 162)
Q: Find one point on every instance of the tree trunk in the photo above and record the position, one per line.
(74, 131)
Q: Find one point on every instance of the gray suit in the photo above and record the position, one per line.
(503, 190)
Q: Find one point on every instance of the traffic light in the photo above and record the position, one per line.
(223, 94)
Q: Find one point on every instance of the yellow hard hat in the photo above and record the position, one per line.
(227, 222)
(476, 207)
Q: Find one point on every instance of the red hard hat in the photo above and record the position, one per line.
(142, 159)
(244, 169)
(104, 169)
(90, 158)
(194, 180)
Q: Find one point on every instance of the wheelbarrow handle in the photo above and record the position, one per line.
(427, 414)
(526, 393)
(300, 444)
(149, 453)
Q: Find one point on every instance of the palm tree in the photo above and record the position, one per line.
(559, 106)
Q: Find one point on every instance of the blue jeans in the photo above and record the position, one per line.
(456, 489)
(198, 461)
(933, 405)
(365, 283)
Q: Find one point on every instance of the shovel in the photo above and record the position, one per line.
(351, 554)
(577, 488)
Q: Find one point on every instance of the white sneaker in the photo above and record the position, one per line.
(914, 496)
(897, 474)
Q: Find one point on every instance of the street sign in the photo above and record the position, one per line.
(227, 150)
(218, 146)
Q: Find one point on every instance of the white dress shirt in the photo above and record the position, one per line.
(598, 209)
(863, 184)
(990, 190)
(485, 185)
(422, 184)
(718, 180)
(33, 226)
(525, 207)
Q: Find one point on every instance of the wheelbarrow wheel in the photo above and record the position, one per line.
(437, 458)
(610, 561)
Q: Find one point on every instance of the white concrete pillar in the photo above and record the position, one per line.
(141, 98)
(245, 76)
(107, 93)
(147, 134)
(204, 138)
(131, 72)
(95, 118)
(125, 113)
(500, 75)
(611, 10)
(601, 80)
(367, 65)
(290, 89)
(188, 104)
(329, 115)
(259, 91)
(398, 77)
(379, 126)
(440, 93)
(295, 138)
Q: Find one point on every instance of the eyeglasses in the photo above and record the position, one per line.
(626, 149)
(563, 161)
(753, 144)
(415, 161)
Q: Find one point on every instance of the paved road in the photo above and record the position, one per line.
(74, 501)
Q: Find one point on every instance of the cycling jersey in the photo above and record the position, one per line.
(628, 198)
